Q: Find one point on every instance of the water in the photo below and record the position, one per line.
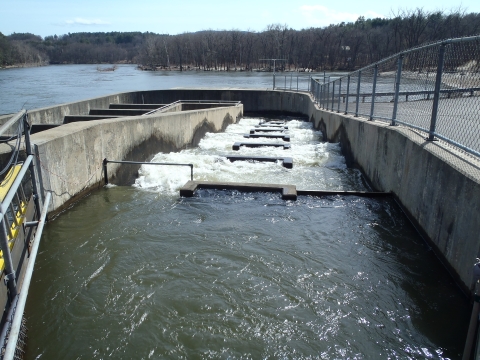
(317, 165)
(137, 272)
(33, 88)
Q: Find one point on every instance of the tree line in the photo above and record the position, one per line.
(344, 46)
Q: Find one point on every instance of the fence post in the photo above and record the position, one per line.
(358, 92)
(397, 88)
(436, 95)
(326, 95)
(105, 173)
(348, 90)
(273, 81)
(285, 87)
(319, 94)
(339, 93)
(374, 88)
(333, 95)
(297, 82)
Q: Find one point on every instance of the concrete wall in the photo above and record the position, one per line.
(438, 186)
(253, 100)
(70, 156)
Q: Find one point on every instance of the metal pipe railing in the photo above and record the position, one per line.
(22, 296)
(12, 121)
(179, 102)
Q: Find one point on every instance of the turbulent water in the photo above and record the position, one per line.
(137, 272)
(316, 166)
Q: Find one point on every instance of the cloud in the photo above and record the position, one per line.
(81, 21)
(319, 15)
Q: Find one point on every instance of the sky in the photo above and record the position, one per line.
(54, 17)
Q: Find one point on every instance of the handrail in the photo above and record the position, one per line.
(165, 107)
(12, 121)
(22, 296)
(13, 189)
(105, 162)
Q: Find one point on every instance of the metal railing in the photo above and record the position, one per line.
(20, 213)
(291, 82)
(180, 102)
(434, 89)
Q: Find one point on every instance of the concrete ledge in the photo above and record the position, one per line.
(237, 145)
(343, 193)
(136, 106)
(269, 136)
(272, 126)
(289, 192)
(119, 112)
(253, 131)
(286, 161)
(76, 118)
(267, 123)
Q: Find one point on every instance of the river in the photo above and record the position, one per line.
(32, 88)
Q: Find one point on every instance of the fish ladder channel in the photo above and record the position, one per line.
(139, 272)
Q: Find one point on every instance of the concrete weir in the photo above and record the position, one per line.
(437, 186)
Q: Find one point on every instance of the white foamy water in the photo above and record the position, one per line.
(316, 165)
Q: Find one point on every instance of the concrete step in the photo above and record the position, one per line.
(74, 118)
(237, 145)
(253, 131)
(289, 192)
(270, 136)
(136, 106)
(272, 126)
(118, 112)
(286, 161)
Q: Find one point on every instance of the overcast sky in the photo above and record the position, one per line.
(50, 17)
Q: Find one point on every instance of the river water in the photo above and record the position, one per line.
(32, 88)
(137, 272)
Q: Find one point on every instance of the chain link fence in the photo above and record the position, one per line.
(292, 82)
(434, 89)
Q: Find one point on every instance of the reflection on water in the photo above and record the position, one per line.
(137, 272)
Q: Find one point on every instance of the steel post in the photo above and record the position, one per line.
(333, 95)
(28, 146)
(436, 95)
(105, 173)
(358, 92)
(372, 107)
(397, 88)
(339, 93)
(273, 79)
(348, 91)
(326, 95)
(319, 94)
